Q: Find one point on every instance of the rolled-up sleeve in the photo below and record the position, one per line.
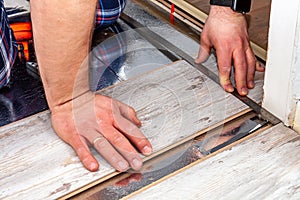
(108, 11)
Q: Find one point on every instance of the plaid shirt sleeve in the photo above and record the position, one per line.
(8, 47)
(108, 11)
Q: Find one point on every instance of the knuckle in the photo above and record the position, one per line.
(204, 39)
(141, 142)
(224, 69)
(111, 116)
(117, 139)
(241, 64)
(131, 110)
(132, 130)
(241, 39)
(105, 118)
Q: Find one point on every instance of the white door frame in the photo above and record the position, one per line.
(282, 77)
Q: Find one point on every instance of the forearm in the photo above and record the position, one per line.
(62, 34)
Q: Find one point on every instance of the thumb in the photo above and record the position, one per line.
(204, 52)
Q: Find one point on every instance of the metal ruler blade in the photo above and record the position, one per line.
(165, 46)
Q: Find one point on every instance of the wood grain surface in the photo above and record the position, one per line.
(174, 102)
(263, 167)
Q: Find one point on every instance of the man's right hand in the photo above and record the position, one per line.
(107, 124)
(226, 31)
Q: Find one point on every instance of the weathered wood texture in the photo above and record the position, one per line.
(174, 103)
(263, 167)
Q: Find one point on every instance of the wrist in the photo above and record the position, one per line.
(60, 89)
(57, 98)
(74, 103)
(224, 11)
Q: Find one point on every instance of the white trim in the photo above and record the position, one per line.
(296, 124)
(283, 63)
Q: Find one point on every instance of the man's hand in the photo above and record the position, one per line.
(107, 124)
(226, 31)
(62, 36)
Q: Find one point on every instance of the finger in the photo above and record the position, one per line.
(134, 134)
(240, 65)
(129, 113)
(204, 50)
(251, 61)
(109, 153)
(259, 67)
(79, 145)
(224, 64)
(123, 146)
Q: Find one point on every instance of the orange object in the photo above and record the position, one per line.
(21, 26)
(23, 35)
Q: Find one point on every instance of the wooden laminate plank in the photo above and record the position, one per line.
(174, 103)
(211, 140)
(189, 8)
(202, 5)
(181, 15)
(263, 167)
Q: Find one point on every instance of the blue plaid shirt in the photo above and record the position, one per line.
(107, 12)
(8, 47)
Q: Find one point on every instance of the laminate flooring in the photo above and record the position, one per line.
(265, 166)
(175, 103)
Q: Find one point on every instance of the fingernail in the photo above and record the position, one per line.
(139, 123)
(251, 84)
(229, 88)
(137, 164)
(123, 165)
(244, 91)
(93, 166)
(147, 150)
